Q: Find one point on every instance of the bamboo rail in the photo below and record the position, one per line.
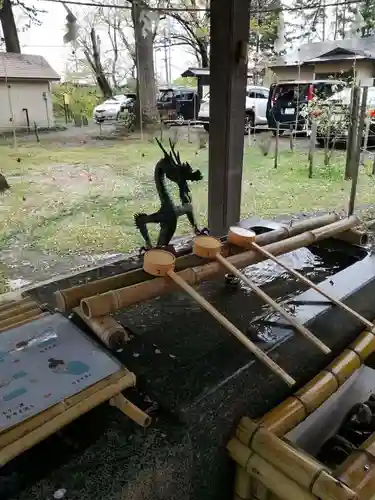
(292, 411)
(71, 297)
(54, 420)
(112, 301)
(307, 472)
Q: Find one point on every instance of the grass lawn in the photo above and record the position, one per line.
(81, 199)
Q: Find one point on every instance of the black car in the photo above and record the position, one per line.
(287, 99)
(178, 104)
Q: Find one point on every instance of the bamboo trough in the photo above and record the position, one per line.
(268, 464)
(111, 301)
(21, 437)
(69, 298)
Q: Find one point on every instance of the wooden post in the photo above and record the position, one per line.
(352, 132)
(277, 144)
(314, 128)
(356, 155)
(291, 139)
(365, 143)
(228, 75)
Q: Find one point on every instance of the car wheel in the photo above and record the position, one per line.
(180, 120)
(206, 127)
(249, 122)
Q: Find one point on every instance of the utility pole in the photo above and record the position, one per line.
(167, 75)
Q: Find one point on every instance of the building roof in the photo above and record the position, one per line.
(25, 66)
(329, 50)
(198, 72)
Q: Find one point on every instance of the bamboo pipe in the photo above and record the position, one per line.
(71, 297)
(106, 328)
(100, 305)
(35, 436)
(246, 239)
(209, 247)
(161, 263)
(354, 237)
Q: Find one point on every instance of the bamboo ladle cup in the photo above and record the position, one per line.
(245, 238)
(209, 248)
(161, 263)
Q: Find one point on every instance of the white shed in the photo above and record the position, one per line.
(25, 91)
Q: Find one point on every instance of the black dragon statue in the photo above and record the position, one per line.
(170, 167)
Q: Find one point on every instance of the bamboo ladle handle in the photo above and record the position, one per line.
(162, 264)
(245, 238)
(206, 246)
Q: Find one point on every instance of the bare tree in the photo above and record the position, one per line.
(192, 28)
(9, 25)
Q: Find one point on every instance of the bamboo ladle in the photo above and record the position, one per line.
(245, 238)
(209, 248)
(161, 263)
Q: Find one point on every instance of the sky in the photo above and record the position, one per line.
(47, 40)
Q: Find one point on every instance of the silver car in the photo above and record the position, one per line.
(255, 105)
(110, 109)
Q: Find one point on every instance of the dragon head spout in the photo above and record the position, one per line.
(177, 171)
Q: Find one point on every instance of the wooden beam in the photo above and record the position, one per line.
(228, 77)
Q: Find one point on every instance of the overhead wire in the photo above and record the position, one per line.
(284, 8)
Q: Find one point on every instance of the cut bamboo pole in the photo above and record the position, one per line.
(209, 247)
(71, 413)
(109, 331)
(130, 410)
(161, 263)
(246, 239)
(71, 297)
(242, 484)
(100, 305)
(353, 236)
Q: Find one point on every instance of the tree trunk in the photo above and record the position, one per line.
(145, 69)
(99, 72)
(203, 50)
(8, 24)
